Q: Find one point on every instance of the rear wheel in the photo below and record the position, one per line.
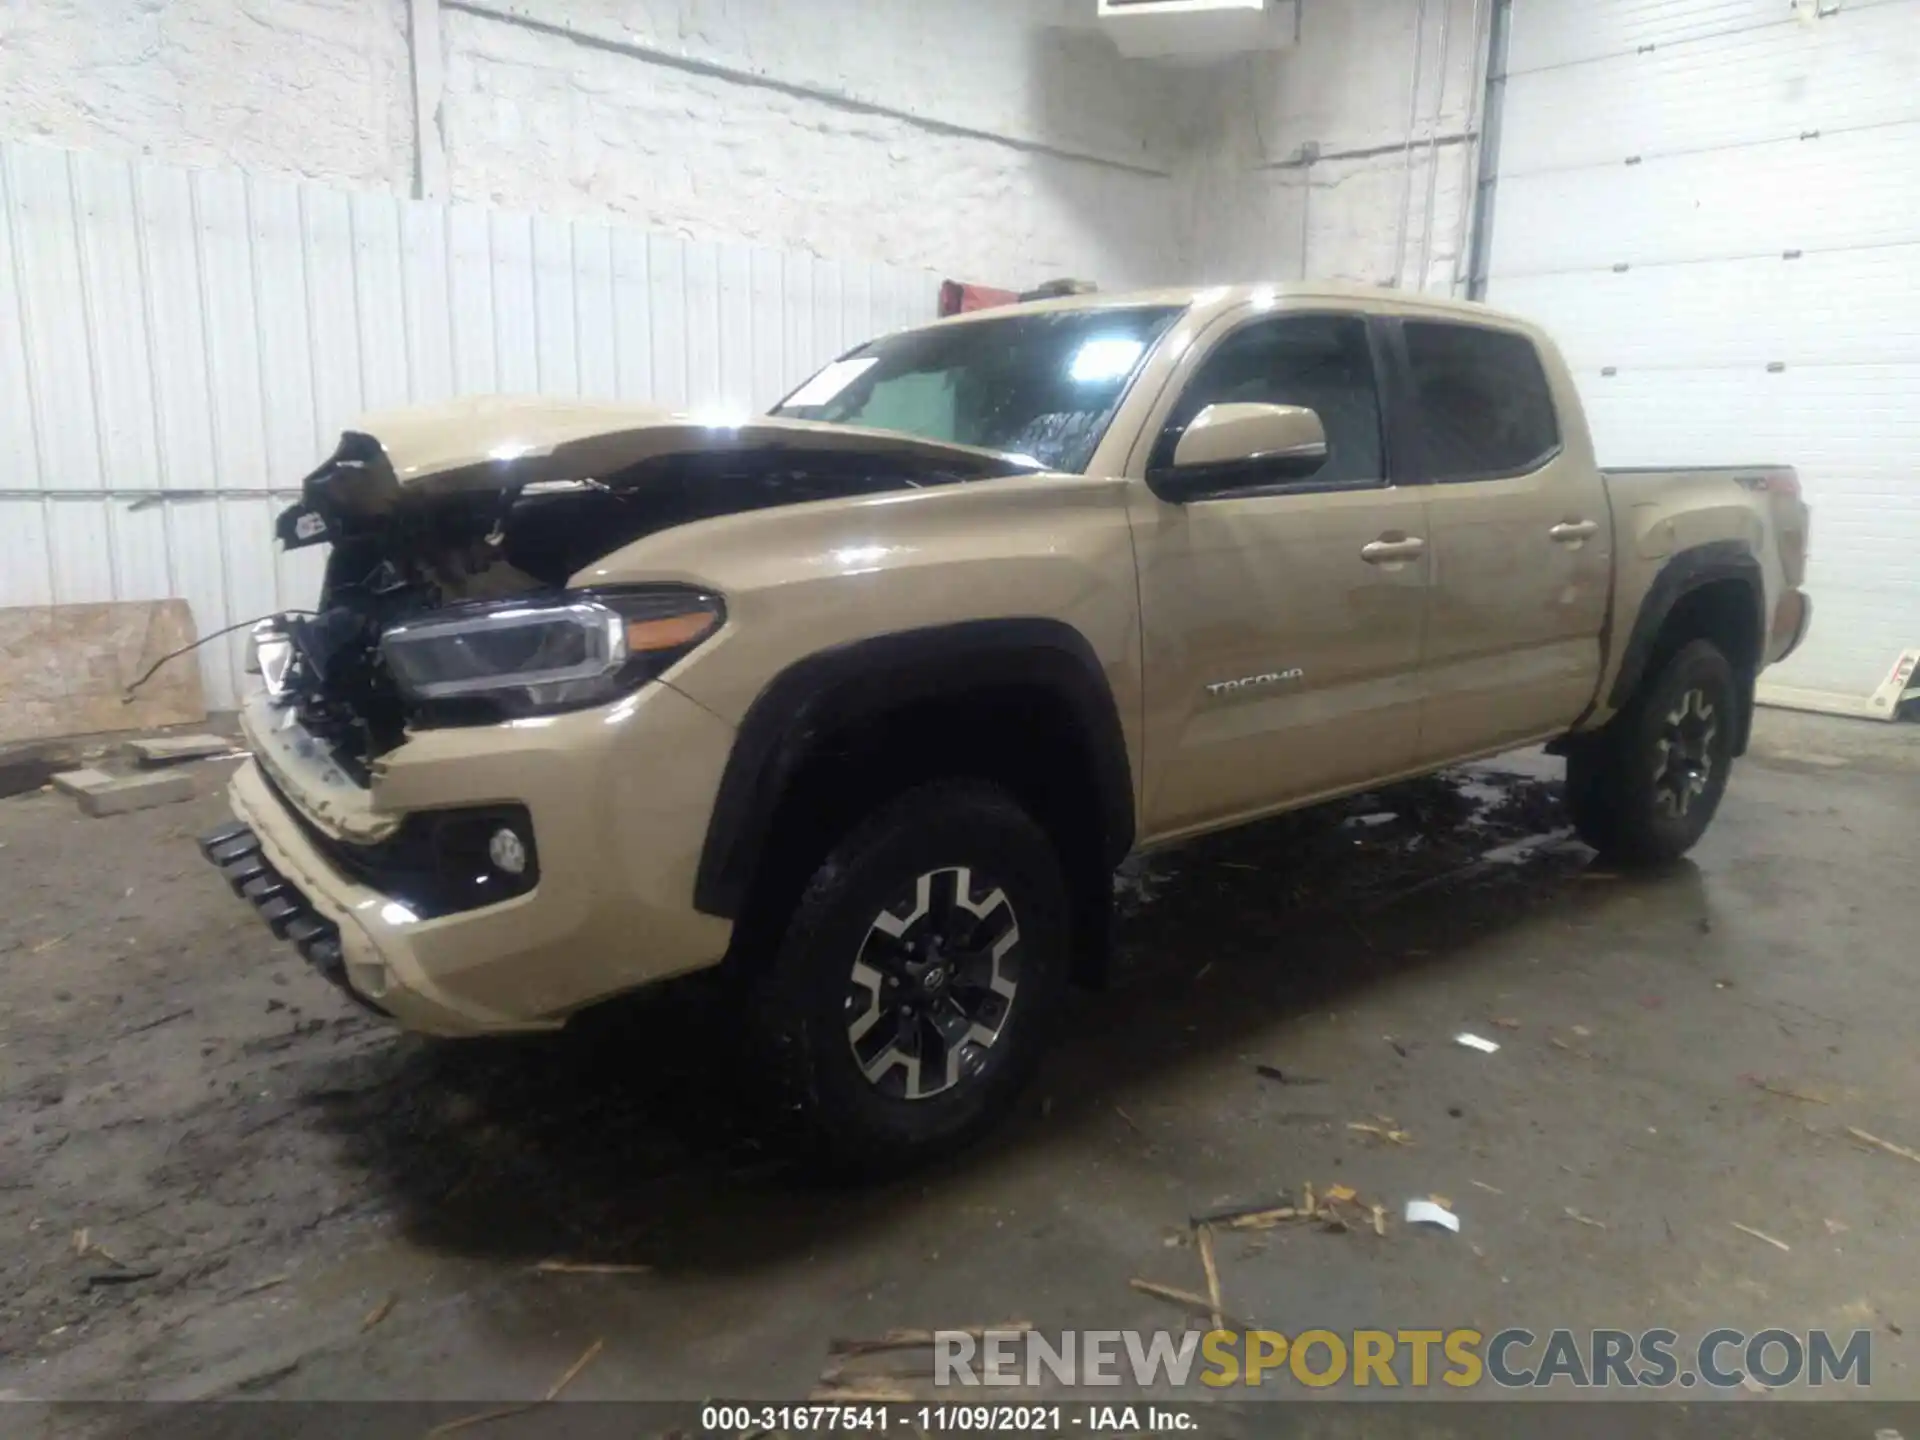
(914, 989)
(1644, 790)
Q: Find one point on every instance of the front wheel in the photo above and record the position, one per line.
(1644, 790)
(914, 990)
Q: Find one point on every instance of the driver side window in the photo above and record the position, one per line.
(1322, 362)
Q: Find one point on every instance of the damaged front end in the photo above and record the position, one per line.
(456, 533)
(395, 559)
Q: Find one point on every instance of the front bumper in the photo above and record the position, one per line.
(618, 800)
(235, 851)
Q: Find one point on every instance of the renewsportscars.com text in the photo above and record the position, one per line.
(1513, 1358)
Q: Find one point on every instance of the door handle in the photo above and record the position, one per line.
(1387, 552)
(1573, 532)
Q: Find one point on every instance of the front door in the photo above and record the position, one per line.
(1282, 622)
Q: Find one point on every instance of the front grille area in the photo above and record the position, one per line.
(235, 851)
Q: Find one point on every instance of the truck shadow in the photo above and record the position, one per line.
(636, 1138)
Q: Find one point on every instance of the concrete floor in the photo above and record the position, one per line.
(1678, 1054)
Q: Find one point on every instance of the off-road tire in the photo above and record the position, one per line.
(1635, 790)
(807, 1000)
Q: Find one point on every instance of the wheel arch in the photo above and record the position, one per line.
(843, 729)
(1715, 592)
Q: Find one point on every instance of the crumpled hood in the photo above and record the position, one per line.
(466, 450)
(497, 441)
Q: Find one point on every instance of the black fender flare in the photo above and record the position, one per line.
(827, 691)
(1686, 571)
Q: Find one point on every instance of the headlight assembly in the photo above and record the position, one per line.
(534, 657)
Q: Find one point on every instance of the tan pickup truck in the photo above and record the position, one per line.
(867, 698)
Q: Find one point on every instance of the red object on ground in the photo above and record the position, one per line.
(959, 299)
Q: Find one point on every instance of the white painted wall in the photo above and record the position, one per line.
(316, 89)
(1259, 208)
(1002, 141)
(546, 122)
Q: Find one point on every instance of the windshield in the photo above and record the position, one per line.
(1042, 386)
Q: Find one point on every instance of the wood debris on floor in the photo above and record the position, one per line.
(898, 1366)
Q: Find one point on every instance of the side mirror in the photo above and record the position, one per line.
(1229, 447)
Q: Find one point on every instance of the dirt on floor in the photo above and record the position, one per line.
(190, 1114)
(220, 1179)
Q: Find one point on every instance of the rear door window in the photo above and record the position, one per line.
(1483, 408)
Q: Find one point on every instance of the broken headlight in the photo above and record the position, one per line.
(477, 663)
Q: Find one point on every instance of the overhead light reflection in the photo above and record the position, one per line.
(1108, 359)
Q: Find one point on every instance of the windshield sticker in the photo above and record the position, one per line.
(830, 382)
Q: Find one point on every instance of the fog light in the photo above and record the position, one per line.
(507, 851)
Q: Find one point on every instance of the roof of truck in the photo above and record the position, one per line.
(1212, 299)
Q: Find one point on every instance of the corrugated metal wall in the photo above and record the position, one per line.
(178, 348)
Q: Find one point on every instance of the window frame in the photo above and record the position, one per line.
(1415, 428)
(1388, 402)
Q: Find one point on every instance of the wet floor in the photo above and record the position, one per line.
(314, 1206)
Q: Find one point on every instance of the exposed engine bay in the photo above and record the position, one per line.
(514, 528)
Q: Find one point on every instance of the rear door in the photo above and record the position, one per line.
(1282, 621)
(1521, 538)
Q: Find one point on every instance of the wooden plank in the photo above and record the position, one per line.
(64, 668)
